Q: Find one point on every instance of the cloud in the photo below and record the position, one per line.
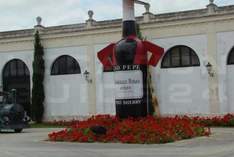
(54, 12)
(176, 5)
(21, 14)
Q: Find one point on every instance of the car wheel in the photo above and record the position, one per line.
(18, 130)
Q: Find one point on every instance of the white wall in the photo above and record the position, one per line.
(105, 100)
(183, 90)
(230, 88)
(66, 95)
(109, 93)
(225, 42)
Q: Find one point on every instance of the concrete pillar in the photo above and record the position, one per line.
(213, 79)
(92, 83)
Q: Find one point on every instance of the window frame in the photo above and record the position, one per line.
(57, 63)
(192, 54)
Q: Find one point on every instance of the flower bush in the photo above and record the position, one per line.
(148, 130)
(216, 121)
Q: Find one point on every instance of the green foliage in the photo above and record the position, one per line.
(38, 94)
(138, 30)
(86, 131)
(149, 80)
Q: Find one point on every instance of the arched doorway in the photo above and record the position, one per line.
(16, 75)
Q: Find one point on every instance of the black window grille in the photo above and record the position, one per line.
(65, 65)
(180, 56)
(231, 57)
(15, 68)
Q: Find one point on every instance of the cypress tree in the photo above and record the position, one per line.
(38, 94)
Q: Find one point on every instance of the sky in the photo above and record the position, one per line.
(21, 14)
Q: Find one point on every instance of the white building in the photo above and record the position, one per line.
(183, 83)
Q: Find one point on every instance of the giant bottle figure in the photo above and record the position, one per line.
(129, 60)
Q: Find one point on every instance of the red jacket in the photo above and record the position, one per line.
(107, 57)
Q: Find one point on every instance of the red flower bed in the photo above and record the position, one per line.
(142, 130)
(217, 121)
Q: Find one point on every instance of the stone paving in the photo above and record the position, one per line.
(32, 143)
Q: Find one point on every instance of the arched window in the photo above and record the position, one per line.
(15, 68)
(231, 57)
(180, 56)
(65, 65)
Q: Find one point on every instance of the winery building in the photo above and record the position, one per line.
(195, 75)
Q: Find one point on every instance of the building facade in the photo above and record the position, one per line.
(195, 75)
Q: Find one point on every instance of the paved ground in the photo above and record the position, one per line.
(32, 143)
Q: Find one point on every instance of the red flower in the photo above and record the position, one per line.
(140, 130)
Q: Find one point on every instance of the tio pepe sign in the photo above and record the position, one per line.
(128, 84)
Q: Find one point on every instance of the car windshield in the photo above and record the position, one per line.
(5, 107)
(8, 106)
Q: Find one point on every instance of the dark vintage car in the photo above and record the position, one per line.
(12, 115)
